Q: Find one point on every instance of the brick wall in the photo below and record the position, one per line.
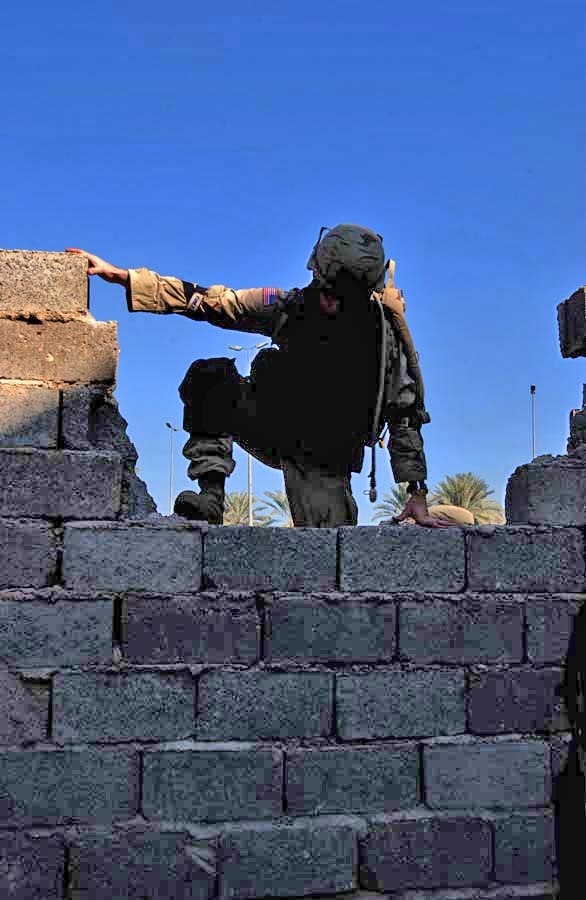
(200, 712)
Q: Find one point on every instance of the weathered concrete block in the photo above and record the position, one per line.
(29, 416)
(526, 559)
(549, 491)
(37, 633)
(119, 557)
(518, 700)
(524, 848)
(212, 783)
(352, 779)
(400, 704)
(28, 554)
(391, 558)
(471, 774)
(471, 628)
(24, 716)
(46, 787)
(32, 867)
(264, 705)
(44, 283)
(559, 747)
(84, 350)
(60, 483)
(124, 706)
(204, 628)
(330, 628)
(140, 865)
(572, 324)
(278, 559)
(307, 857)
(549, 627)
(421, 851)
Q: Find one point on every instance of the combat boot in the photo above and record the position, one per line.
(208, 505)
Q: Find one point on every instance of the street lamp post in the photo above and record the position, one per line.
(249, 350)
(173, 430)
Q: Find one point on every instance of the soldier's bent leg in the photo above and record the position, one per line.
(318, 499)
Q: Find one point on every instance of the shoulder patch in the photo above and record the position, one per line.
(270, 295)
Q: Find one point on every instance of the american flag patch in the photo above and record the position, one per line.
(270, 295)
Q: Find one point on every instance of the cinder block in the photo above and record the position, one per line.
(32, 867)
(212, 783)
(524, 848)
(392, 558)
(123, 706)
(60, 483)
(119, 557)
(29, 416)
(270, 860)
(572, 324)
(91, 420)
(264, 705)
(473, 628)
(400, 704)
(203, 628)
(39, 282)
(278, 559)
(421, 851)
(46, 787)
(526, 559)
(549, 491)
(84, 350)
(352, 779)
(330, 628)
(28, 554)
(24, 717)
(560, 753)
(472, 774)
(550, 624)
(518, 700)
(37, 633)
(136, 865)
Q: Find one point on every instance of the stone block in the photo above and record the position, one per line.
(392, 558)
(119, 557)
(400, 703)
(471, 628)
(46, 787)
(273, 860)
(141, 865)
(32, 867)
(29, 416)
(518, 700)
(277, 559)
(24, 717)
(123, 706)
(28, 554)
(264, 705)
(352, 779)
(422, 851)
(549, 491)
(572, 324)
(550, 624)
(204, 628)
(212, 783)
(526, 559)
(330, 628)
(37, 633)
(471, 774)
(560, 753)
(54, 483)
(57, 352)
(524, 848)
(49, 284)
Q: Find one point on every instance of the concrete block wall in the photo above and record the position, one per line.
(200, 712)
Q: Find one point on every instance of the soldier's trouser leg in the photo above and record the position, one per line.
(318, 499)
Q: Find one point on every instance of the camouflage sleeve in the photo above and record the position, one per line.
(252, 310)
(407, 454)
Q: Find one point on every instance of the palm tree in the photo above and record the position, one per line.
(278, 503)
(392, 503)
(236, 510)
(472, 493)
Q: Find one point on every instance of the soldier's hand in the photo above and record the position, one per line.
(416, 509)
(99, 266)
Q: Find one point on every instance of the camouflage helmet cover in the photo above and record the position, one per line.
(355, 249)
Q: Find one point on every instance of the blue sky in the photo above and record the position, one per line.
(211, 142)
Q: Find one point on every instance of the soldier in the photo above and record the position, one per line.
(342, 365)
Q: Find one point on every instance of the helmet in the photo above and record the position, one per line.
(352, 248)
